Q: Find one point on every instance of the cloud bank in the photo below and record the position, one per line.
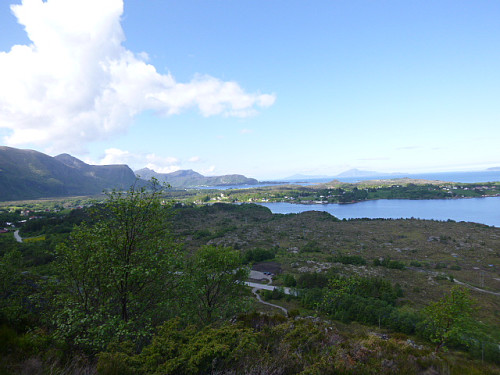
(75, 83)
(139, 160)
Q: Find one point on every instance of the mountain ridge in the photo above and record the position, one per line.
(187, 178)
(30, 174)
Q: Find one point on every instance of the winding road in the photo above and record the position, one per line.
(257, 275)
(17, 236)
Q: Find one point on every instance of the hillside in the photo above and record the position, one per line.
(362, 290)
(431, 252)
(190, 178)
(28, 174)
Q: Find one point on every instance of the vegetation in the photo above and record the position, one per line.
(138, 285)
(28, 174)
(339, 192)
(115, 275)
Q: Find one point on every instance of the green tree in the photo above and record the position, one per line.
(289, 280)
(448, 318)
(214, 283)
(117, 275)
(11, 293)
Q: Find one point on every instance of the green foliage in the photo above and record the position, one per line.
(118, 359)
(13, 289)
(311, 298)
(115, 275)
(288, 280)
(388, 263)
(213, 284)
(202, 233)
(440, 265)
(258, 255)
(276, 294)
(53, 223)
(312, 280)
(366, 300)
(311, 247)
(349, 259)
(448, 318)
(178, 349)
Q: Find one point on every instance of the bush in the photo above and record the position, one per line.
(312, 280)
(258, 255)
(276, 294)
(388, 263)
(311, 247)
(349, 259)
(289, 280)
(311, 298)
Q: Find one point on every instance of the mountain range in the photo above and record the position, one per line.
(29, 174)
(189, 178)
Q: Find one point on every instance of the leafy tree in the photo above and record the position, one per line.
(116, 274)
(258, 255)
(448, 318)
(214, 283)
(10, 290)
(312, 280)
(364, 299)
(289, 280)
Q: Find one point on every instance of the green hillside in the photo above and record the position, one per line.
(190, 178)
(28, 174)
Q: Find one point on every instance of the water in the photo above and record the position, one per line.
(478, 210)
(465, 177)
(233, 187)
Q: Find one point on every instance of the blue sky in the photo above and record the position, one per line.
(262, 88)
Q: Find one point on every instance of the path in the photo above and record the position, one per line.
(456, 281)
(257, 275)
(476, 288)
(17, 236)
(259, 299)
(267, 287)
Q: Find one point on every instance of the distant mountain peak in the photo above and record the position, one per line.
(188, 178)
(70, 161)
(185, 173)
(28, 174)
(354, 172)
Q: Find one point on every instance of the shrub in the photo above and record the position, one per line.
(258, 255)
(311, 247)
(312, 280)
(388, 263)
(349, 259)
(289, 280)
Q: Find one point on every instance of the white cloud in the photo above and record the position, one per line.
(246, 131)
(116, 156)
(164, 169)
(76, 83)
(137, 161)
(209, 170)
(194, 159)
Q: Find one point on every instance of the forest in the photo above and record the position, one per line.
(138, 283)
